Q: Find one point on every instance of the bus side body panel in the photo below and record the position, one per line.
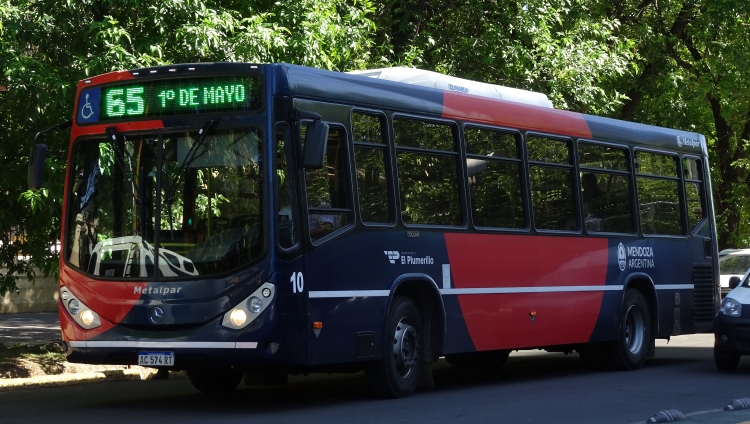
(563, 291)
(526, 291)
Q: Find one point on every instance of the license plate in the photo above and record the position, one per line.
(156, 359)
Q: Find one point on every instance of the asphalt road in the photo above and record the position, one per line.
(30, 328)
(534, 387)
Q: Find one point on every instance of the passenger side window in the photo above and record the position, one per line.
(551, 178)
(658, 194)
(427, 163)
(328, 204)
(494, 173)
(605, 188)
(370, 155)
(693, 171)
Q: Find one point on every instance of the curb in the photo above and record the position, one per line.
(7, 385)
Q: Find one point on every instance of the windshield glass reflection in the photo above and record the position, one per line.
(208, 191)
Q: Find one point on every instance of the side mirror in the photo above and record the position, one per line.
(316, 142)
(36, 166)
(734, 282)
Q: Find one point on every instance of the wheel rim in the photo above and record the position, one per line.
(405, 347)
(635, 329)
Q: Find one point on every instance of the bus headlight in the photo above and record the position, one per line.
(254, 305)
(238, 317)
(250, 308)
(73, 306)
(87, 318)
(731, 307)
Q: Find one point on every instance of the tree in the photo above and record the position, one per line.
(559, 47)
(693, 74)
(47, 47)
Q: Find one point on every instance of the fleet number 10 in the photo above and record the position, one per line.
(298, 283)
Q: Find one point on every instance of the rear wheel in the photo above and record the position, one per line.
(725, 361)
(397, 375)
(631, 348)
(214, 380)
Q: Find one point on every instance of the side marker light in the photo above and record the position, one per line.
(317, 326)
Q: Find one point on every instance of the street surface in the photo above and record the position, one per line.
(534, 387)
(31, 328)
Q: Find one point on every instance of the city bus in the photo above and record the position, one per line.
(266, 220)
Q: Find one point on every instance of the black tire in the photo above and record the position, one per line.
(214, 380)
(631, 348)
(492, 360)
(725, 361)
(397, 375)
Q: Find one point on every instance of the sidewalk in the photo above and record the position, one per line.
(30, 328)
(43, 328)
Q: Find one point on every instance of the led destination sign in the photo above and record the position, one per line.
(136, 100)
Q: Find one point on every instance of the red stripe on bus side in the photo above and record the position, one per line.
(504, 321)
(514, 115)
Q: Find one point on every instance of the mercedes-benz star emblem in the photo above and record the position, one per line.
(156, 314)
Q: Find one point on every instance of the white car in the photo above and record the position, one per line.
(732, 263)
(731, 324)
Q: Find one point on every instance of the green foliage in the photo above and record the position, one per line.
(559, 47)
(692, 73)
(680, 64)
(47, 47)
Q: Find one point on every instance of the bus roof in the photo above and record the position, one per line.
(449, 83)
(367, 92)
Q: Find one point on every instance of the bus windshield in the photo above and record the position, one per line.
(183, 203)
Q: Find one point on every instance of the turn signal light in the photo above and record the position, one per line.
(317, 325)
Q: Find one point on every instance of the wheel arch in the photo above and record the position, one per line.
(424, 291)
(645, 285)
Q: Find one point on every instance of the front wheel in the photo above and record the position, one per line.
(397, 375)
(214, 380)
(725, 361)
(631, 348)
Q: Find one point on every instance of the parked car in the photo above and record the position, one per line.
(732, 324)
(732, 263)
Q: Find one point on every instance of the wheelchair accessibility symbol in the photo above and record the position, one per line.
(87, 110)
(89, 106)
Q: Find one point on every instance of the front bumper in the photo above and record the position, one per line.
(186, 354)
(732, 334)
(267, 341)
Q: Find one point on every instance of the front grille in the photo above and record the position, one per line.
(703, 294)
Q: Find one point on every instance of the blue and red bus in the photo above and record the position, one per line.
(234, 219)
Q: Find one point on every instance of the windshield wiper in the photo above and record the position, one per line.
(191, 155)
(113, 141)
